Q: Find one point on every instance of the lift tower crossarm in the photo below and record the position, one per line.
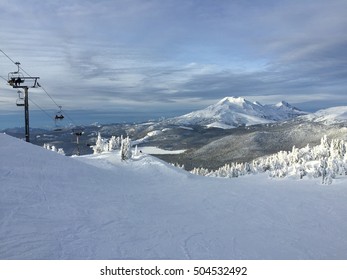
(16, 82)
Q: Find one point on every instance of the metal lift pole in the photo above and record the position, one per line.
(26, 114)
(15, 79)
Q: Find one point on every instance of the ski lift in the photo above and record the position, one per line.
(16, 78)
(59, 115)
(78, 131)
(20, 99)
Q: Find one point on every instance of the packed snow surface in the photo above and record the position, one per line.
(98, 207)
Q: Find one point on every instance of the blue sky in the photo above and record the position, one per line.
(171, 56)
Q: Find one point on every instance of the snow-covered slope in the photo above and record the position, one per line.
(328, 116)
(97, 207)
(237, 111)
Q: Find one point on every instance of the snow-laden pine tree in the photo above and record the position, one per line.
(178, 165)
(294, 155)
(99, 146)
(200, 171)
(53, 149)
(136, 152)
(114, 143)
(125, 150)
(61, 152)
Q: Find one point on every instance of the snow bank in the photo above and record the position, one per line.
(98, 207)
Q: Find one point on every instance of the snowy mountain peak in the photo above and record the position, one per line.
(236, 103)
(257, 103)
(283, 104)
(237, 111)
(232, 100)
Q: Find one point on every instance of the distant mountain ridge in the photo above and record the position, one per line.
(236, 111)
(333, 115)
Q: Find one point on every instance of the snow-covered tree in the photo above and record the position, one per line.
(179, 166)
(136, 152)
(125, 149)
(114, 143)
(326, 160)
(200, 171)
(53, 149)
(294, 155)
(99, 146)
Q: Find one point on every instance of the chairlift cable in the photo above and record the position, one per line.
(49, 96)
(59, 106)
(41, 109)
(14, 62)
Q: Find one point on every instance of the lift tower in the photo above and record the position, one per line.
(18, 80)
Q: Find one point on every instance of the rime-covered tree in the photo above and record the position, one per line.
(61, 151)
(126, 149)
(53, 149)
(114, 143)
(99, 146)
(326, 160)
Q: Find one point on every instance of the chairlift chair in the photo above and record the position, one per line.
(59, 115)
(15, 78)
(20, 99)
(20, 102)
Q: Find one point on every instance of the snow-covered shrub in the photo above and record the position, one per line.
(61, 152)
(200, 171)
(53, 149)
(177, 165)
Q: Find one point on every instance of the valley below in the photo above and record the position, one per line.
(203, 147)
(232, 130)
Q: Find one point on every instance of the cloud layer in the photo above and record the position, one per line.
(155, 55)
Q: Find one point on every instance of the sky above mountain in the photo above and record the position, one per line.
(175, 56)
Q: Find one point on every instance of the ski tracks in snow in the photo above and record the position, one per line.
(187, 245)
